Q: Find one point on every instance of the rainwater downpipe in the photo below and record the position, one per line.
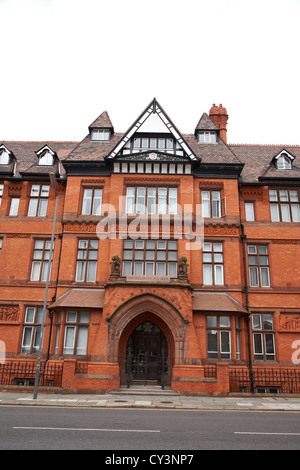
(243, 237)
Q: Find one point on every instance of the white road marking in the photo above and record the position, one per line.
(269, 433)
(84, 429)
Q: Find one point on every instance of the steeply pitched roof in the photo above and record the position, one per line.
(27, 160)
(102, 122)
(258, 161)
(206, 124)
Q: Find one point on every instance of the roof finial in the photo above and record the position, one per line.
(154, 105)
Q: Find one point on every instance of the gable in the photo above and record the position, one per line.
(155, 123)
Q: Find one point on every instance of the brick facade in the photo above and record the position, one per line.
(243, 282)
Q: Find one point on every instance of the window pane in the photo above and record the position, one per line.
(264, 274)
(80, 271)
(268, 321)
(218, 274)
(172, 269)
(212, 344)
(283, 195)
(138, 268)
(29, 318)
(27, 333)
(149, 269)
(37, 339)
(91, 271)
(42, 210)
(294, 196)
(69, 340)
(82, 338)
(295, 213)
(225, 342)
(256, 322)
(87, 202)
(32, 208)
(269, 343)
(39, 315)
(249, 210)
(35, 190)
(258, 348)
(285, 212)
(207, 274)
(161, 269)
(225, 321)
(253, 271)
(14, 206)
(127, 268)
(205, 200)
(272, 195)
(45, 271)
(212, 321)
(35, 271)
(274, 212)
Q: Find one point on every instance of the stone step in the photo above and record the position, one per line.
(151, 390)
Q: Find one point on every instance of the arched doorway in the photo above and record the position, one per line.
(147, 355)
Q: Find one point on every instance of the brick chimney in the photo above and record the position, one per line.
(220, 117)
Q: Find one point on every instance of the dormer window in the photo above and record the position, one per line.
(100, 134)
(45, 156)
(46, 159)
(284, 160)
(284, 163)
(207, 137)
(4, 155)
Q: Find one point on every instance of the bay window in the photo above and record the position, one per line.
(32, 330)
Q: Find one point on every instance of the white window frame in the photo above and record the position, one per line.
(249, 212)
(38, 201)
(100, 135)
(14, 206)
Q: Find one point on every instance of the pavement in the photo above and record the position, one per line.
(152, 399)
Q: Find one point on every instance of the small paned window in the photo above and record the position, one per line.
(76, 333)
(40, 260)
(38, 201)
(150, 258)
(46, 158)
(86, 265)
(284, 205)
(207, 137)
(218, 332)
(213, 263)
(100, 134)
(263, 336)
(283, 163)
(211, 204)
(32, 330)
(258, 260)
(151, 200)
(91, 201)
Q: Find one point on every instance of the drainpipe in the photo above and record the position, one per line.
(243, 237)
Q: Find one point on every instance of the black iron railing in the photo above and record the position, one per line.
(23, 373)
(266, 380)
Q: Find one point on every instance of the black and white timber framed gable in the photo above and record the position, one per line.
(152, 145)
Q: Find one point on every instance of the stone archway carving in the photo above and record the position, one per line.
(150, 306)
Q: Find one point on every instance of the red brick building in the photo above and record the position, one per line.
(175, 261)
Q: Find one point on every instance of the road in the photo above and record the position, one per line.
(42, 428)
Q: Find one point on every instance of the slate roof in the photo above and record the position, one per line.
(258, 160)
(24, 154)
(102, 122)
